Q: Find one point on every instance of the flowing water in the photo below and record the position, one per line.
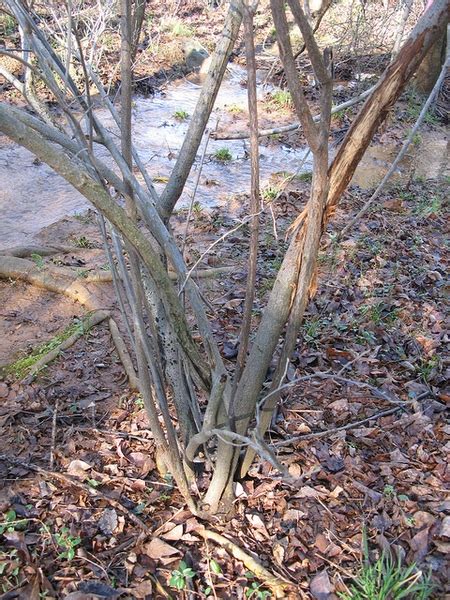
(32, 196)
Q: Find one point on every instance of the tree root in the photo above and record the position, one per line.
(278, 586)
(19, 268)
(87, 323)
(124, 355)
(26, 270)
(24, 251)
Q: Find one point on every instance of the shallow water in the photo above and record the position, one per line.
(33, 197)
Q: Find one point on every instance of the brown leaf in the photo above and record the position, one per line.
(445, 529)
(157, 549)
(173, 534)
(321, 586)
(79, 468)
(143, 589)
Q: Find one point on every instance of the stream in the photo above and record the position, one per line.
(32, 196)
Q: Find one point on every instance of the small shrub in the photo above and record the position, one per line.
(388, 579)
(223, 155)
(181, 115)
(180, 576)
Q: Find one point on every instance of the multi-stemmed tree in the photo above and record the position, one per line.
(224, 413)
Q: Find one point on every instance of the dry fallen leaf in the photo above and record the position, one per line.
(321, 586)
(158, 549)
(79, 468)
(173, 534)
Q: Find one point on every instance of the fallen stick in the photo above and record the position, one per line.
(12, 267)
(24, 251)
(277, 585)
(243, 135)
(87, 323)
(105, 277)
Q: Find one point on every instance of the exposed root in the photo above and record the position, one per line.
(124, 355)
(24, 251)
(18, 268)
(87, 323)
(279, 587)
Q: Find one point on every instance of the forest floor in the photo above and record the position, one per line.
(377, 317)
(85, 512)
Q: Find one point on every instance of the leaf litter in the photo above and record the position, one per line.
(378, 317)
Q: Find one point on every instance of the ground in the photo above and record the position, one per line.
(377, 317)
(86, 512)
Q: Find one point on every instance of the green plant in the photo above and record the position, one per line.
(82, 242)
(306, 176)
(427, 367)
(388, 579)
(67, 542)
(366, 337)
(38, 260)
(7, 25)
(280, 99)
(234, 109)
(429, 206)
(269, 193)
(378, 313)
(181, 115)
(311, 328)
(389, 491)
(223, 155)
(9, 570)
(21, 367)
(139, 402)
(197, 208)
(417, 139)
(255, 589)
(12, 523)
(179, 577)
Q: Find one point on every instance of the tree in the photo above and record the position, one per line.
(222, 412)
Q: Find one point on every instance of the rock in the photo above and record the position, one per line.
(194, 54)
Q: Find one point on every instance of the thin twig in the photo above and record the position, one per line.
(327, 432)
(54, 425)
(191, 204)
(278, 585)
(243, 135)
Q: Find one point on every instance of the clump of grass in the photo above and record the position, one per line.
(223, 155)
(234, 109)
(20, 368)
(82, 242)
(429, 206)
(269, 193)
(176, 27)
(7, 25)
(306, 176)
(388, 579)
(181, 115)
(280, 99)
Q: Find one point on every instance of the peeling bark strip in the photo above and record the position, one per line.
(388, 90)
